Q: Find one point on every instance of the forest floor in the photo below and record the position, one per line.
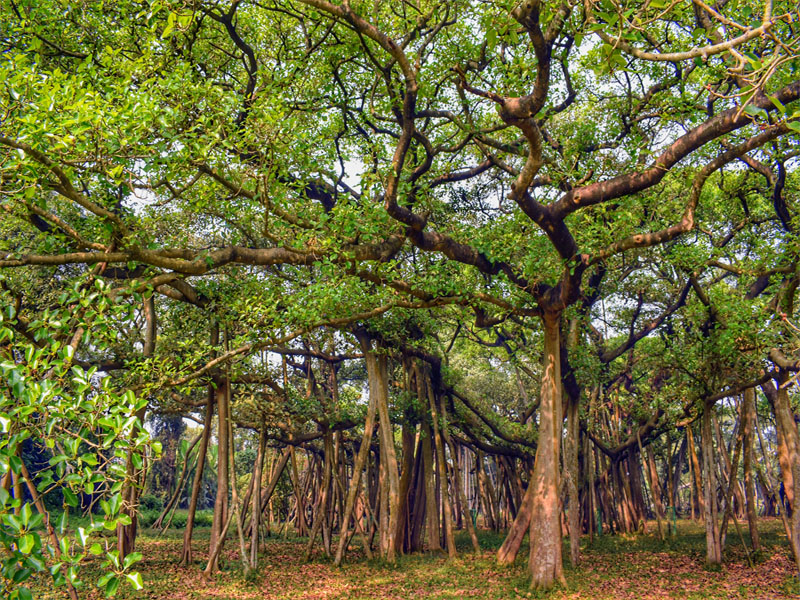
(613, 568)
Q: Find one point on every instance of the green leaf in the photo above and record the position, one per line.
(26, 543)
(114, 503)
(135, 580)
(755, 111)
(15, 463)
(778, 104)
(131, 558)
(36, 521)
(69, 497)
(24, 593)
(112, 586)
(63, 522)
(13, 521)
(169, 27)
(25, 514)
(491, 37)
(794, 126)
(82, 536)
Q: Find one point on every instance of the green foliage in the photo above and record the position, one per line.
(87, 426)
(238, 162)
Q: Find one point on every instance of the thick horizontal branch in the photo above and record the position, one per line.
(724, 123)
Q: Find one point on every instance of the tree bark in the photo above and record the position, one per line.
(361, 459)
(516, 533)
(655, 486)
(545, 563)
(748, 414)
(418, 507)
(431, 510)
(483, 492)
(698, 479)
(322, 508)
(403, 531)
(572, 479)
(377, 373)
(221, 508)
(255, 518)
(788, 454)
(713, 543)
(449, 536)
(186, 553)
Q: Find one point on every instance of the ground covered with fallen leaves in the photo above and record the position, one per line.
(613, 567)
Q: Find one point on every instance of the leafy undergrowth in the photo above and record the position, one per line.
(613, 567)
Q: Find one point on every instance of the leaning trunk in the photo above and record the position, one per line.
(519, 527)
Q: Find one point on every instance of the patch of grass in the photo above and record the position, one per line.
(612, 568)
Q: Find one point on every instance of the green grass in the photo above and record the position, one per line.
(613, 567)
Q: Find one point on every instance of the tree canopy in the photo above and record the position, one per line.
(558, 208)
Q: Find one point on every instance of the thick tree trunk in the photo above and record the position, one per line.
(635, 487)
(431, 509)
(237, 505)
(383, 507)
(590, 489)
(766, 477)
(545, 561)
(622, 501)
(514, 482)
(668, 478)
(677, 471)
(733, 484)
(221, 508)
(730, 468)
(655, 486)
(403, 532)
(788, 455)
(713, 543)
(449, 536)
(417, 507)
(377, 373)
(748, 414)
